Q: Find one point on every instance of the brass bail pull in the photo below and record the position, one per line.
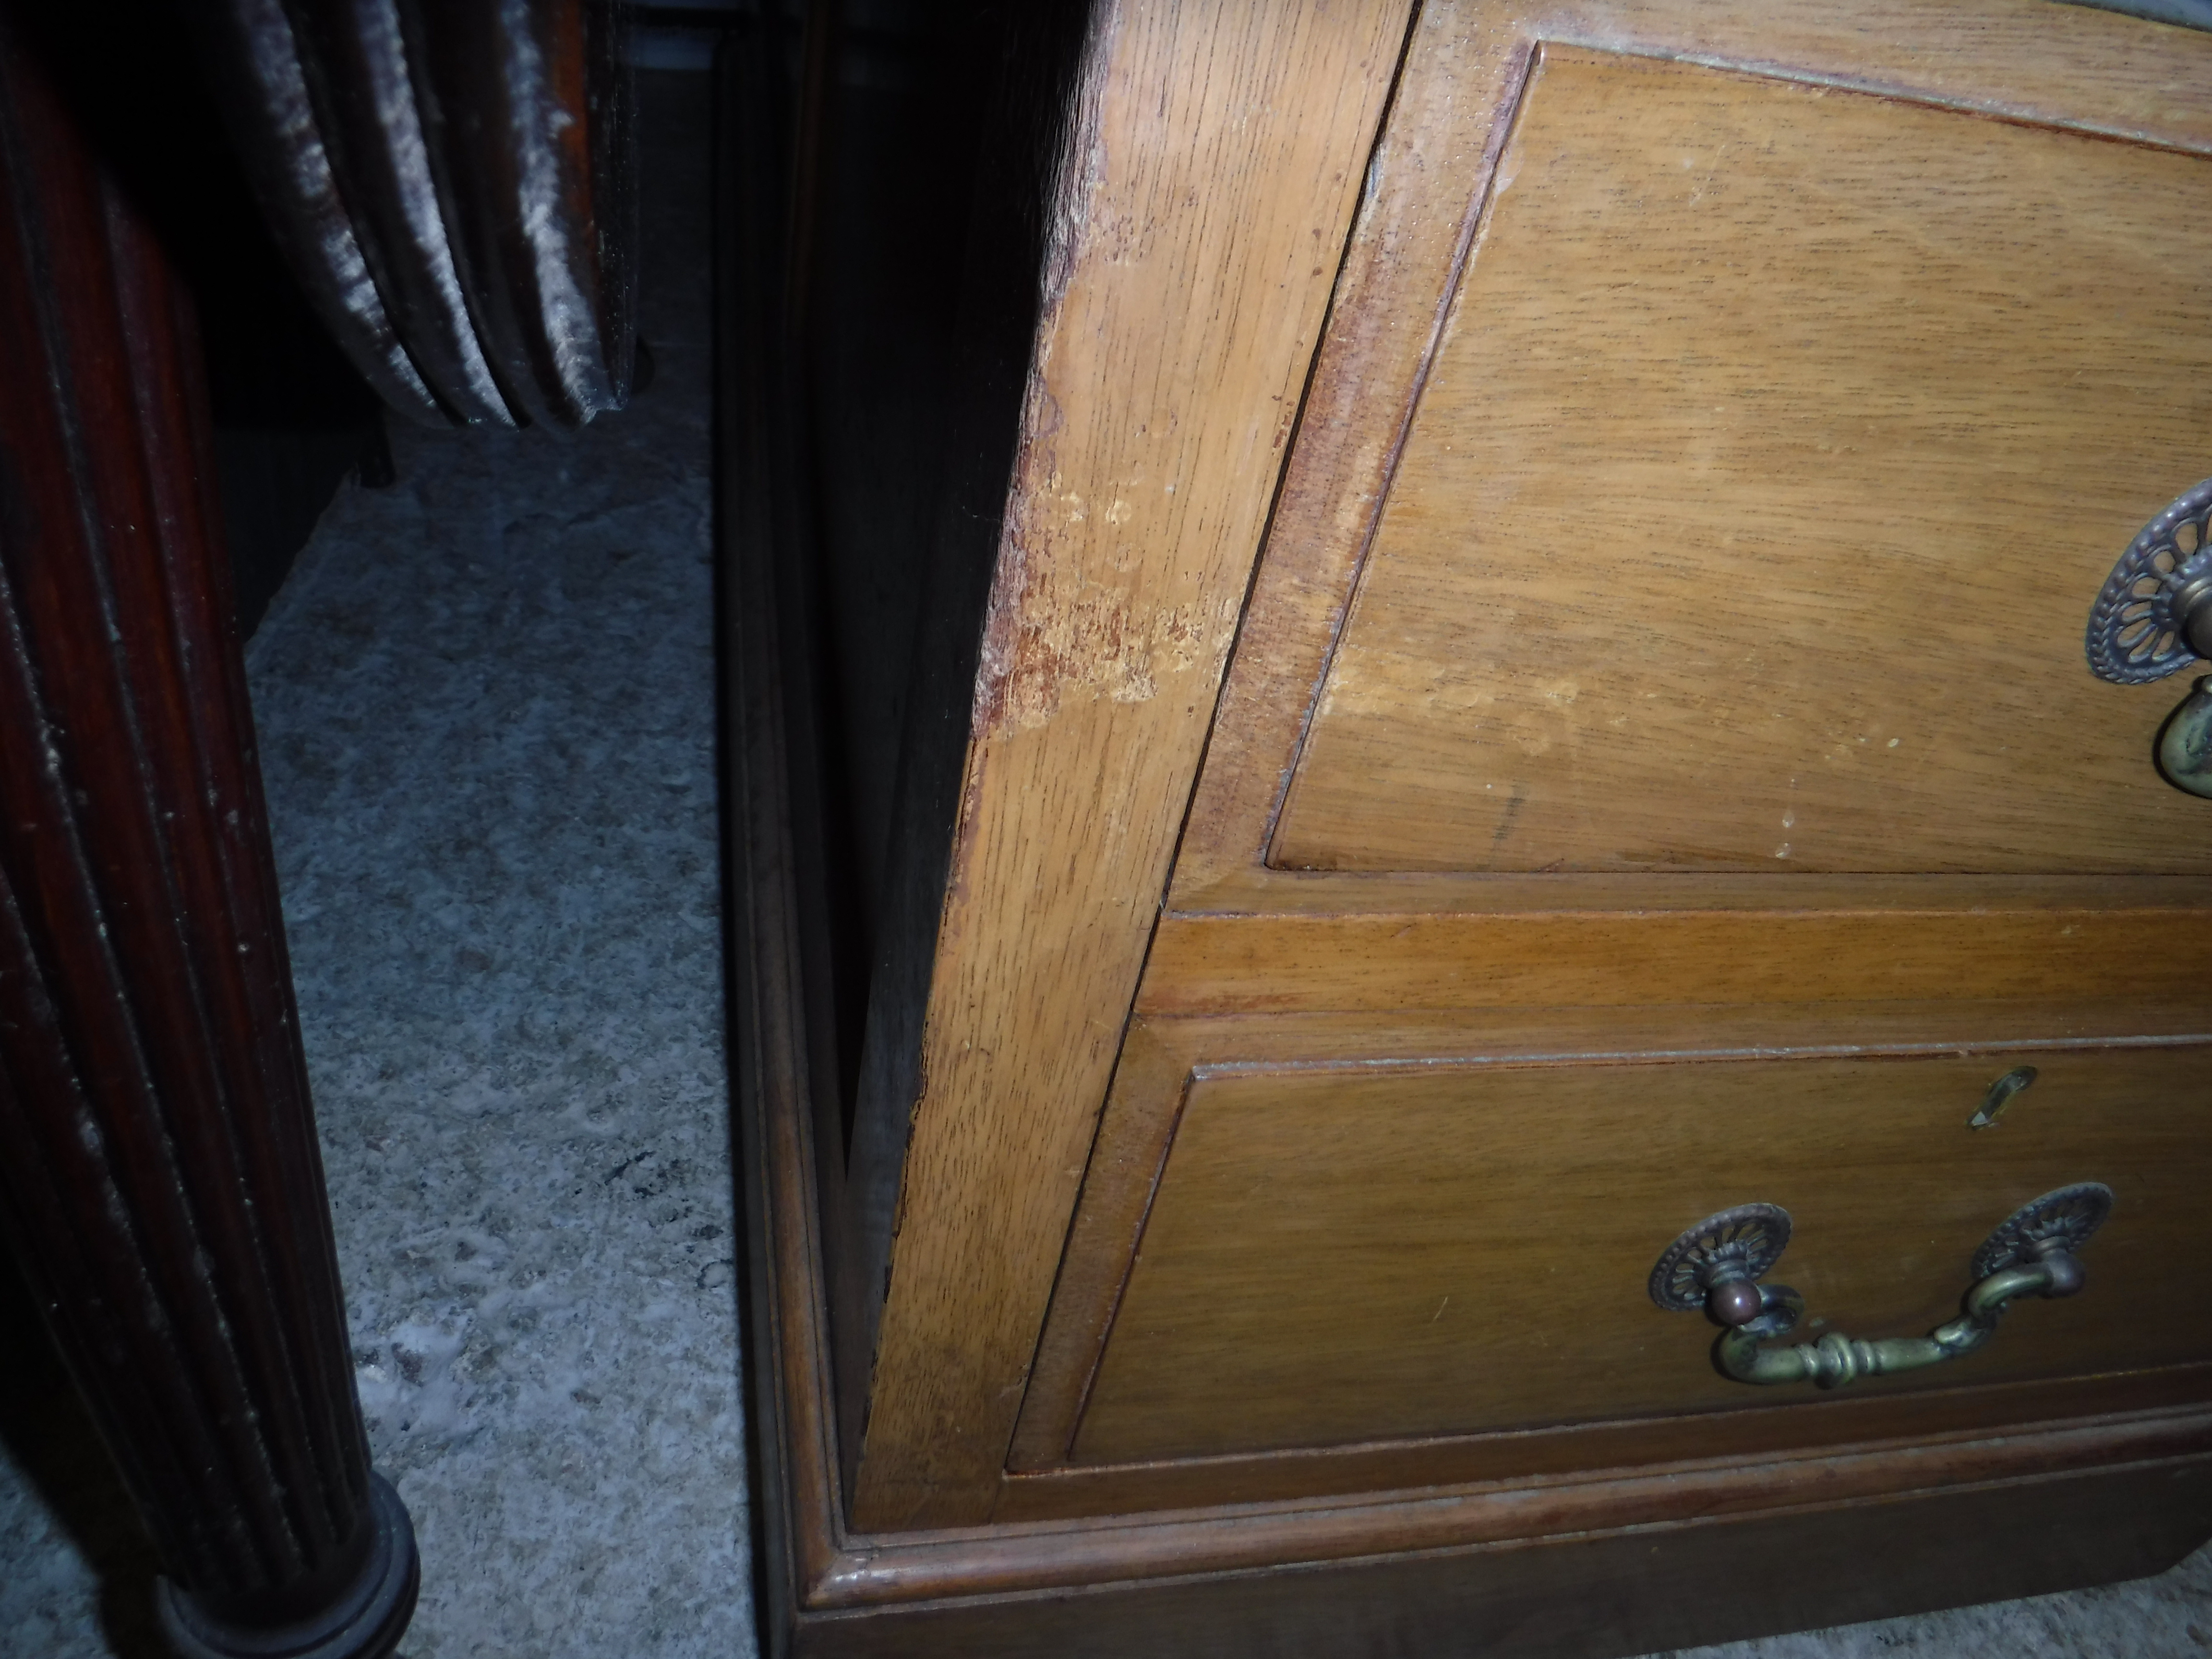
(2153, 617)
(1716, 1265)
(2184, 742)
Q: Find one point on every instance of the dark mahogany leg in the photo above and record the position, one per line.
(159, 1181)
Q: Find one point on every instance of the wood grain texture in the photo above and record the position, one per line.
(1212, 163)
(1038, 52)
(1322, 964)
(2025, 61)
(1597, 1596)
(1162, 1055)
(1932, 1521)
(1150, 1085)
(1335, 1256)
(1778, 438)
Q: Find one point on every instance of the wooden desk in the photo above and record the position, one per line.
(1496, 668)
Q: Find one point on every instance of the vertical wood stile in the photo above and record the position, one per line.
(1213, 160)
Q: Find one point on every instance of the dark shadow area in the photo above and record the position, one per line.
(49, 1435)
(291, 416)
(291, 420)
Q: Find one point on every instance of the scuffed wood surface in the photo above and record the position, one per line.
(1214, 159)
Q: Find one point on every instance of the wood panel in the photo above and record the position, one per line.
(1035, 58)
(1324, 963)
(1213, 159)
(2020, 59)
(1334, 1256)
(1777, 441)
(1162, 1056)
(1984, 1516)
(2032, 1510)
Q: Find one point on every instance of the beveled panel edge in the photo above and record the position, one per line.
(2038, 64)
(1166, 1057)
(1270, 891)
(1151, 1083)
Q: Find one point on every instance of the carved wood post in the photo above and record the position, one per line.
(160, 1181)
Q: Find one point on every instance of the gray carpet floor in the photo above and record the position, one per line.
(485, 698)
(487, 708)
(486, 704)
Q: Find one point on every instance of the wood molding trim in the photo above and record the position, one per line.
(1322, 964)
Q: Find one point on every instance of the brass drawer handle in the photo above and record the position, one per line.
(2154, 617)
(1716, 1265)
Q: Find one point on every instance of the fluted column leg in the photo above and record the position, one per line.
(160, 1181)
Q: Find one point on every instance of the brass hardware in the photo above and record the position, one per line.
(1715, 1265)
(1736, 1245)
(2154, 617)
(2185, 744)
(2000, 1097)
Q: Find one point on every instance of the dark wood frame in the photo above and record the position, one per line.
(161, 1184)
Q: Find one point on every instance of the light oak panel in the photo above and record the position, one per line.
(2021, 60)
(1213, 161)
(1777, 442)
(1162, 1056)
(1322, 963)
(1335, 1257)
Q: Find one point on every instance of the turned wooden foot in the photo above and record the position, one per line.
(160, 1181)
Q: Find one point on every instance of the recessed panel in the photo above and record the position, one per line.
(1354, 1254)
(1777, 443)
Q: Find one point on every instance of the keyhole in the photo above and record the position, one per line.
(2000, 1097)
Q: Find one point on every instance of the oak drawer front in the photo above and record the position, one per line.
(1777, 442)
(1344, 1254)
(1775, 452)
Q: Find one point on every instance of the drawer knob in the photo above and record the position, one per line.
(1716, 1265)
(2154, 617)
